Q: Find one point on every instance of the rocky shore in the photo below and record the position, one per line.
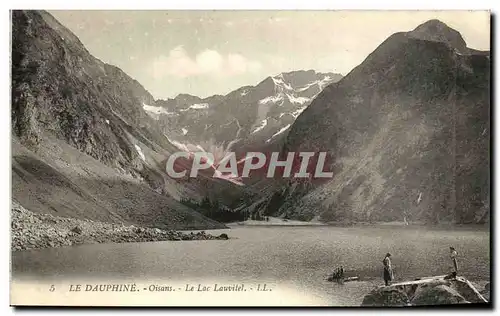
(429, 291)
(31, 231)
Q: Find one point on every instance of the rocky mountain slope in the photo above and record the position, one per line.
(250, 116)
(82, 144)
(409, 132)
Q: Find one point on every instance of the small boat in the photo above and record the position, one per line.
(341, 280)
(353, 278)
(341, 276)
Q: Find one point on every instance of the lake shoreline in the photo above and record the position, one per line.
(274, 221)
(277, 222)
(31, 230)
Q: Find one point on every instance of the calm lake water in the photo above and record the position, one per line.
(296, 257)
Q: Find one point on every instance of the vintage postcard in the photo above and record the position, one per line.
(250, 158)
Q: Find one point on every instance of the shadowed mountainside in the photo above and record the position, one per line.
(409, 132)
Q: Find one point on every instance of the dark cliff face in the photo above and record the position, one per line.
(84, 122)
(409, 130)
(57, 86)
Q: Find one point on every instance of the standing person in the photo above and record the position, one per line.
(388, 275)
(453, 256)
(336, 274)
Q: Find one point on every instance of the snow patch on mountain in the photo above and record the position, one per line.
(263, 124)
(156, 109)
(181, 146)
(273, 99)
(297, 112)
(324, 82)
(321, 83)
(307, 86)
(139, 151)
(278, 132)
(199, 106)
(279, 81)
(298, 100)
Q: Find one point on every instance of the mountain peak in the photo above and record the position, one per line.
(437, 31)
(186, 98)
(433, 23)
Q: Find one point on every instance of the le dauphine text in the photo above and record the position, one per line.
(132, 287)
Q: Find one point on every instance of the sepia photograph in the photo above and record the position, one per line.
(250, 158)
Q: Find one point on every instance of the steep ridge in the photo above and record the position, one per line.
(82, 144)
(409, 130)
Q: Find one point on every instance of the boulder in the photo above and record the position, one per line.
(486, 292)
(437, 295)
(467, 290)
(77, 230)
(138, 230)
(386, 296)
(428, 291)
(223, 236)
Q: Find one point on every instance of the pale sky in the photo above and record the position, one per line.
(214, 52)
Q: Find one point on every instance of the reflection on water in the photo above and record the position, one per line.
(296, 257)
